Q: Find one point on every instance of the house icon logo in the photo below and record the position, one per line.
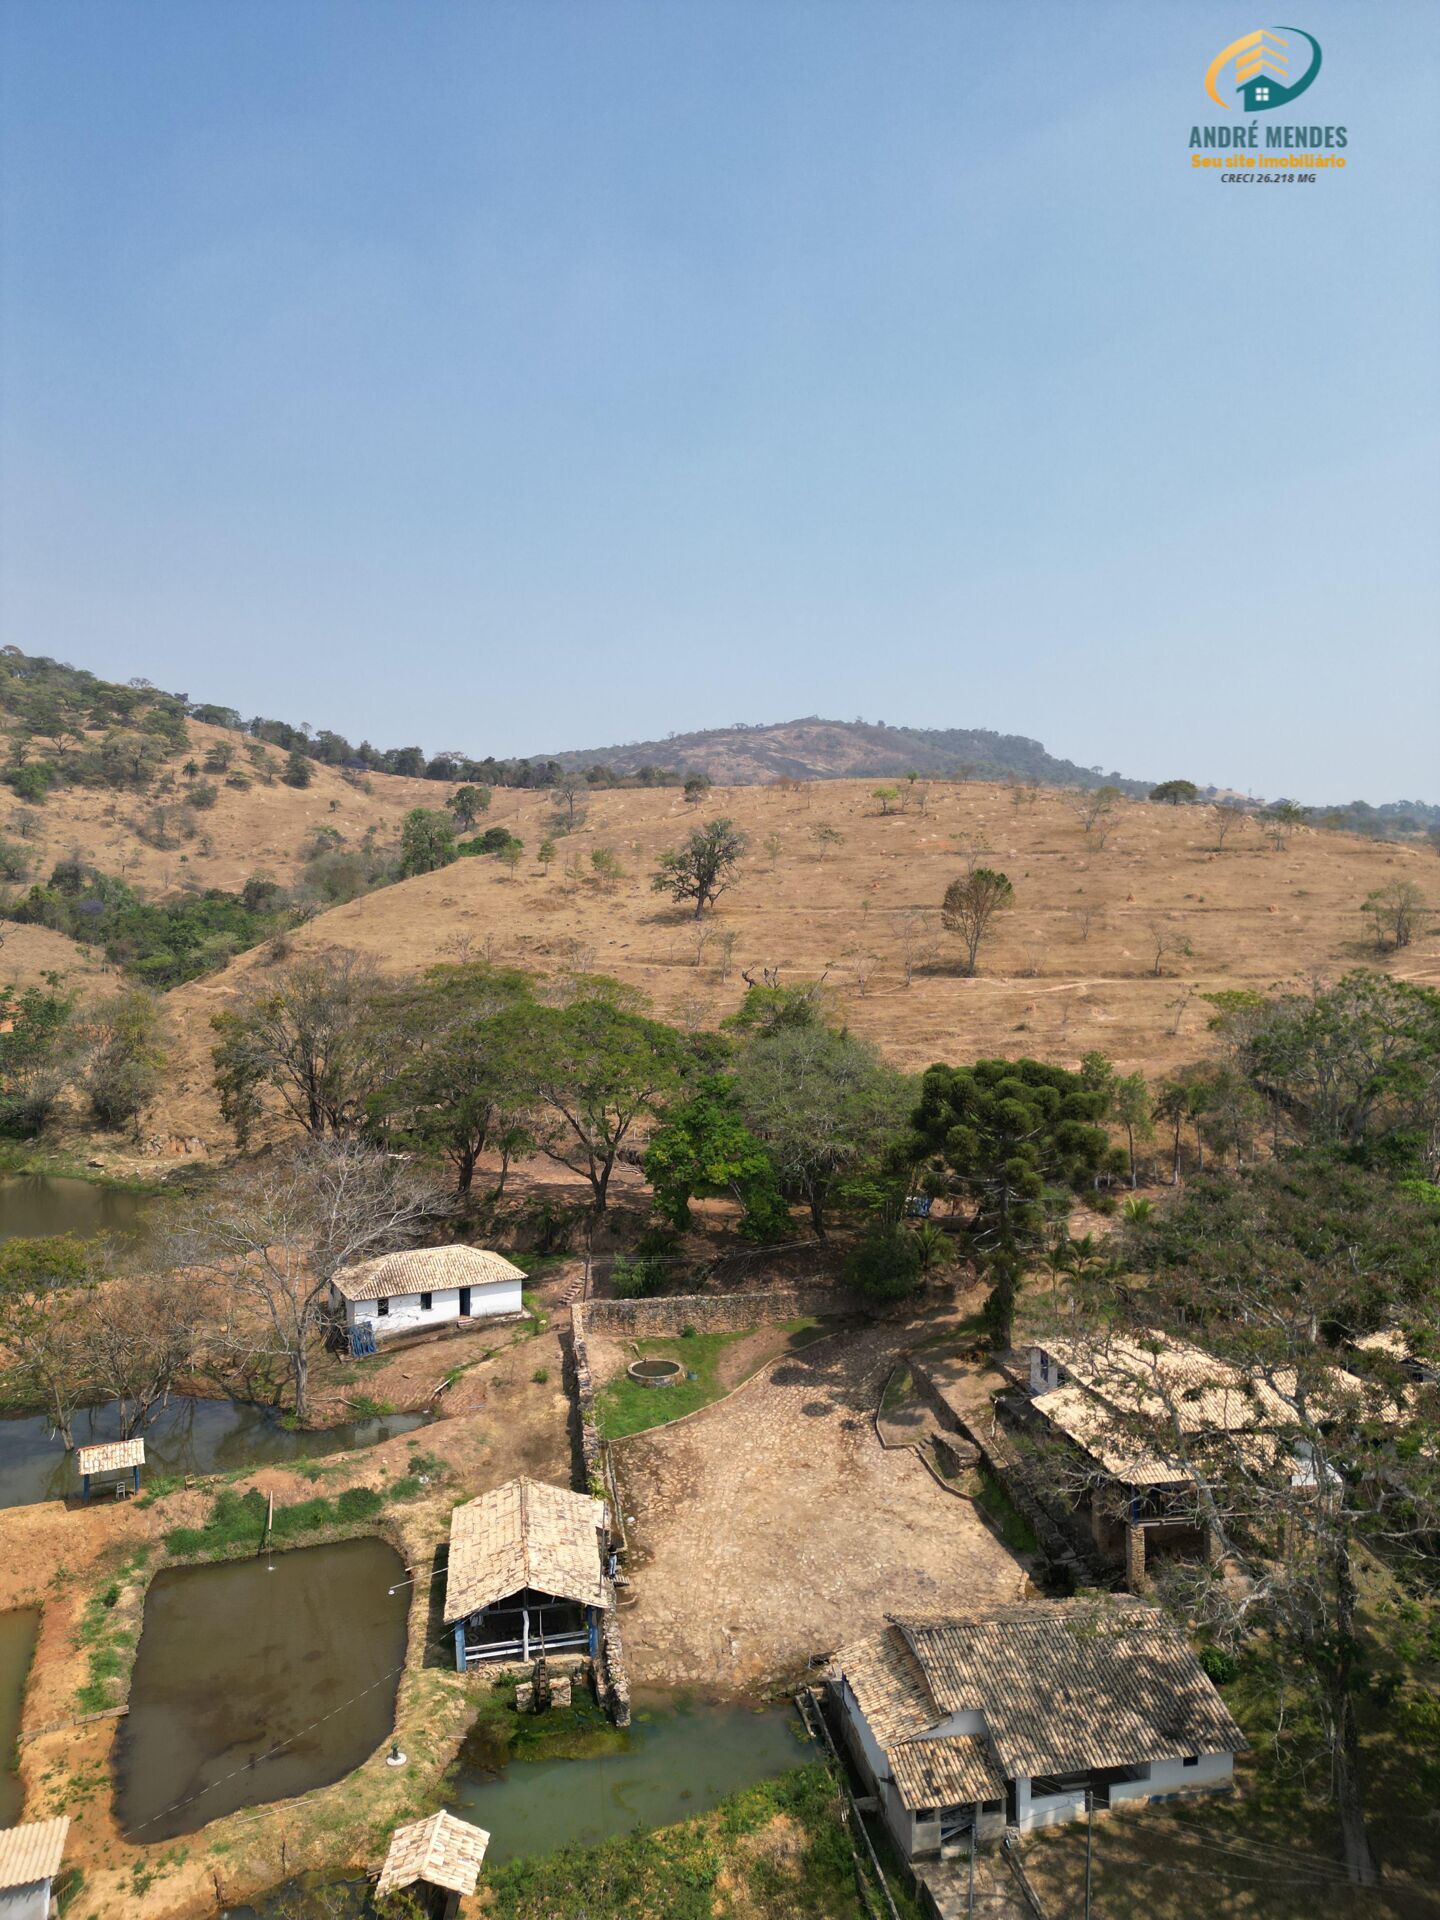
(1262, 69)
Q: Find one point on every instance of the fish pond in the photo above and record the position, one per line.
(256, 1680)
(188, 1435)
(18, 1634)
(33, 1205)
(674, 1762)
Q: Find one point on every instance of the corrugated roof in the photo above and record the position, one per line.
(442, 1850)
(955, 1771)
(423, 1270)
(109, 1456)
(1069, 1685)
(524, 1534)
(31, 1851)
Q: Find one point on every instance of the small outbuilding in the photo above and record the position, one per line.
(427, 1287)
(1024, 1716)
(526, 1574)
(111, 1463)
(437, 1861)
(30, 1856)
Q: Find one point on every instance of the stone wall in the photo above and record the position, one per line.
(612, 1679)
(712, 1312)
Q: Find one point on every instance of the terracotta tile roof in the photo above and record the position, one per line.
(442, 1850)
(1082, 1418)
(955, 1771)
(889, 1686)
(1150, 1373)
(110, 1456)
(31, 1852)
(525, 1534)
(423, 1270)
(1069, 1685)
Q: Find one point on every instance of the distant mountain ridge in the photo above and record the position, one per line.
(817, 749)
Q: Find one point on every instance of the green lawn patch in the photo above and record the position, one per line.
(1010, 1523)
(623, 1406)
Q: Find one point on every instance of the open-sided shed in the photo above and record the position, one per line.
(526, 1573)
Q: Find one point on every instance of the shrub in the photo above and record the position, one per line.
(540, 1376)
(1221, 1667)
(639, 1279)
(203, 795)
(299, 771)
(886, 1264)
(360, 1503)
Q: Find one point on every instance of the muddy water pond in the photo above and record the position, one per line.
(256, 1680)
(35, 1204)
(679, 1761)
(18, 1634)
(187, 1436)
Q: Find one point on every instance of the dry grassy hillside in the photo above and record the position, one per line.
(260, 829)
(1048, 985)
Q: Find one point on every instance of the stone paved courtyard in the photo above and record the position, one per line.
(773, 1527)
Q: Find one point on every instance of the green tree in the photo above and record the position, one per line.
(299, 769)
(317, 1033)
(600, 1070)
(1395, 912)
(42, 1287)
(697, 785)
(38, 1049)
(702, 1149)
(427, 842)
(467, 804)
(1176, 793)
(460, 1087)
(1001, 1133)
(704, 867)
(971, 904)
(828, 1109)
(886, 1265)
(122, 1072)
(1130, 1108)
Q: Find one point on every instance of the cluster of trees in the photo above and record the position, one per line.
(1277, 1267)
(111, 1055)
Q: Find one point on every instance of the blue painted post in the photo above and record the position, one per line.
(594, 1632)
(85, 1484)
(137, 1479)
(460, 1646)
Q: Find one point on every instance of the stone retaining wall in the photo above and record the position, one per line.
(612, 1679)
(713, 1312)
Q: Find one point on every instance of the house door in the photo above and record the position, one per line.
(956, 1824)
(464, 1303)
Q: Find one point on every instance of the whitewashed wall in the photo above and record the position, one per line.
(406, 1314)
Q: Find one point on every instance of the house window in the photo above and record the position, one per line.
(1044, 1366)
(1261, 94)
(427, 1301)
(1191, 1760)
(382, 1307)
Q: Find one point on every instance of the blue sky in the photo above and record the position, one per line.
(520, 376)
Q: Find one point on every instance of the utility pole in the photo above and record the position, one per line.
(1089, 1844)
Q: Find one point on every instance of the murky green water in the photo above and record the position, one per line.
(35, 1204)
(187, 1436)
(256, 1680)
(18, 1634)
(681, 1761)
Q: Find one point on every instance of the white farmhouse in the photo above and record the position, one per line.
(1011, 1717)
(428, 1287)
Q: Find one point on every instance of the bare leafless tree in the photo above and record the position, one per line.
(1094, 808)
(915, 937)
(276, 1234)
(1164, 938)
(1230, 816)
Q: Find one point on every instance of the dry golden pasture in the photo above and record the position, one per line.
(261, 829)
(1049, 983)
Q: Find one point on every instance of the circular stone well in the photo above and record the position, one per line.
(656, 1373)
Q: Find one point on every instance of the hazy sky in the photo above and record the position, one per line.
(521, 376)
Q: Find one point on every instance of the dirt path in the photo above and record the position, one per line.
(774, 1527)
